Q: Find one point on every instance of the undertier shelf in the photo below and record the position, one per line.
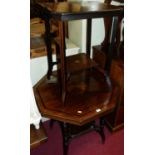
(79, 62)
(86, 82)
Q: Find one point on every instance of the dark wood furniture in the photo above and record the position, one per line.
(74, 11)
(77, 117)
(37, 31)
(37, 137)
(115, 120)
(82, 92)
(81, 109)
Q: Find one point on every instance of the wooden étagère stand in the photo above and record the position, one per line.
(82, 92)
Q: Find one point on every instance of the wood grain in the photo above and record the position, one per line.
(82, 101)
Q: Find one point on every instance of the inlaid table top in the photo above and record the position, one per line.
(84, 104)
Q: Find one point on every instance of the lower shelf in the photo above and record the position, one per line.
(79, 62)
(87, 82)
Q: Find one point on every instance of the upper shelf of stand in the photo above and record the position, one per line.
(80, 10)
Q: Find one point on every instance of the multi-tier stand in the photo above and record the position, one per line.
(82, 92)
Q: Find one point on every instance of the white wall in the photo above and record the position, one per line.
(77, 30)
(38, 68)
(77, 33)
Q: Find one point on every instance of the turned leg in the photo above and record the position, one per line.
(65, 136)
(48, 45)
(63, 67)
(101, 129)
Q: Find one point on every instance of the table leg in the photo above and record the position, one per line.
(88, 41)
(65, 136)
(71, 131)
(99, 129)
(112, 42)
(48, 45)
(63, 68)
(102, 129)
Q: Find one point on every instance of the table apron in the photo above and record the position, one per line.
(68, 17)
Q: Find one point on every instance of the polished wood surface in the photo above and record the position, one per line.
(99, 56)
(79, 62)
(80, 10)
(83, 100)
(87, 90)
(37, 136)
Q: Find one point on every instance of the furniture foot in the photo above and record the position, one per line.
(71, 131)
(65, 136)
(101, 129)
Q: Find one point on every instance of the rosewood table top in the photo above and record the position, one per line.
(84, 103)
